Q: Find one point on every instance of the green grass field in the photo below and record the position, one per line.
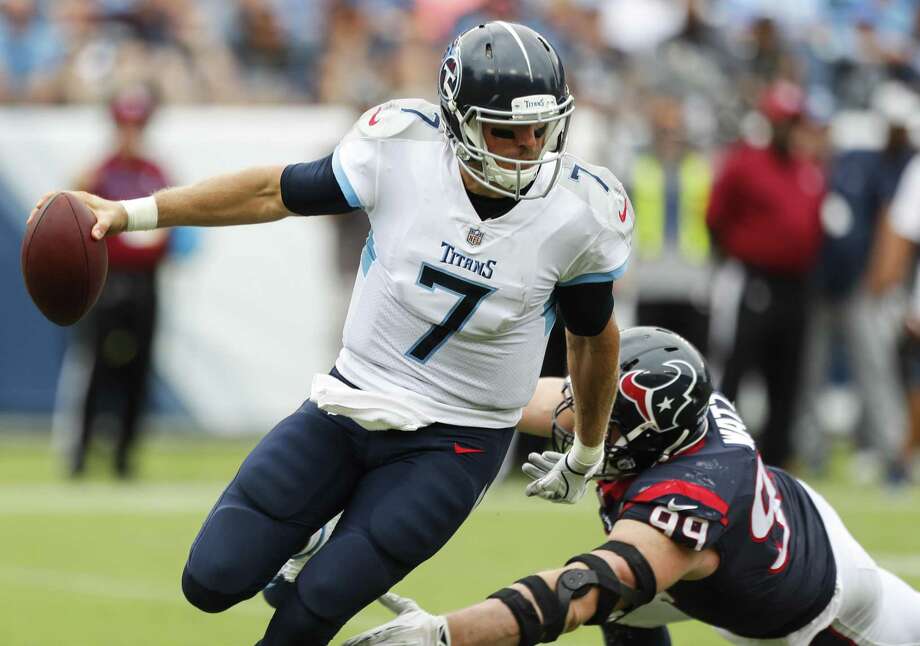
(97, 563)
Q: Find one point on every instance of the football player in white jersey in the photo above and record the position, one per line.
(481, 224)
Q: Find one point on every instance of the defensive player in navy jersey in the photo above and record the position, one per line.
(698, 528)
(480, 224)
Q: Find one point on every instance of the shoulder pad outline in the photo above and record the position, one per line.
(394, 118)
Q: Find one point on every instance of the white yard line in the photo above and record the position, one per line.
(106, 499)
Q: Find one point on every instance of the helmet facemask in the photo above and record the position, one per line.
(484, 166)
(618, 461)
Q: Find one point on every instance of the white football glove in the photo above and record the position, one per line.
(412, 626)
(555, 479)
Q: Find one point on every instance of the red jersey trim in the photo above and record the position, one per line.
(693, 449)
(688, 489)
(614, 490)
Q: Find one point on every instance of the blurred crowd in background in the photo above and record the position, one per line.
(761, 141)
(713, 55)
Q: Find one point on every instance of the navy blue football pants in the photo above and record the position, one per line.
(404, 494)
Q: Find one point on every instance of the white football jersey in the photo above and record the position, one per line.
(450, 313)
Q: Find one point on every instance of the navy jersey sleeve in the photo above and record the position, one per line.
(586, 307)
(311, 188)
(687, 513)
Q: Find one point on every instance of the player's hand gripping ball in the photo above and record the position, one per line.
(63, 265)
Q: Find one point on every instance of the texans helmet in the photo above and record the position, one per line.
(504, 73)
(661, 405)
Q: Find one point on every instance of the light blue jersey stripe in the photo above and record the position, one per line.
(549, 314)
(596, 278)
(368, 254)
(347, 190)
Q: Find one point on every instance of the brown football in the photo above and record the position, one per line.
(63, 267)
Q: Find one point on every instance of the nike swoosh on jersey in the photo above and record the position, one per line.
(622, 213)
(460, 450)
(373, 120)
(673, 506)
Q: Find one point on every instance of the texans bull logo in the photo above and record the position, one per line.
(658, 404)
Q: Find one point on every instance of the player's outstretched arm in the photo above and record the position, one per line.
(248, 197)
(537, 418)
(628, 571)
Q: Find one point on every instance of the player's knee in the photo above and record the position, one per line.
(204, 598)
(223, 568)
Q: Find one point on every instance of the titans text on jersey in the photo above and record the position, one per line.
(453, 257)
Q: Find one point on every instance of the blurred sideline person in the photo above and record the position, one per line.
(896, 253)
(698, 528)
(670, 186)
(764, 214)
(119, 331)
(480, 223)
(861, 185)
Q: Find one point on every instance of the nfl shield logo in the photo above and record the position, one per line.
(474, 236)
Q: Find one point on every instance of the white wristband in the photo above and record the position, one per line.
(585, 456)
(142, 213)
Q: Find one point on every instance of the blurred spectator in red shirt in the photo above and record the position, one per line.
(120, 329)
(764, 213)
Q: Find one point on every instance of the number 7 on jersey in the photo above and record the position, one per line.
(471, 295)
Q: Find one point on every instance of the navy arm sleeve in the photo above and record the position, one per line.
(586, 308)
(310, 188)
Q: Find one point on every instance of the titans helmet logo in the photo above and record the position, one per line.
(659, 405)
(449, 76)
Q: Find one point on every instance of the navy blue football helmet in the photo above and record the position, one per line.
(504, 73)
(661, 406)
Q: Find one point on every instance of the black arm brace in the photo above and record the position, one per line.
(524, 614)
(599, 574)
(611, 589)
(646, 584)
(574, 584)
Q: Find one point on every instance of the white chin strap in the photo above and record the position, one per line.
(509, 179)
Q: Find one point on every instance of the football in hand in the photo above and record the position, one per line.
(63, 266)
